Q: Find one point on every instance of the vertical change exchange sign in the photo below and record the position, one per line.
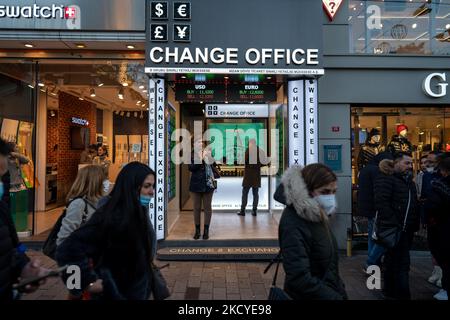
(296, 122)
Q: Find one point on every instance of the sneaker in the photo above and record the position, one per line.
(441, 295)
(435, 275)
(240, 213)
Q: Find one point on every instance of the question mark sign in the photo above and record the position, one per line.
(332, 5)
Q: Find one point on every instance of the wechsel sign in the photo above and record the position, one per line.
(235, 37)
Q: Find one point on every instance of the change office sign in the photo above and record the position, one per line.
(234, 37)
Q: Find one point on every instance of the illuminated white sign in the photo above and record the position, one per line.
(81, 122)
(36, 11)
(160, 166)
(426, 85)
(296, 122)
(151, 140)
(311, 118)
(237, 111)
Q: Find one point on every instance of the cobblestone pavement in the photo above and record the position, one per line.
(246, 281)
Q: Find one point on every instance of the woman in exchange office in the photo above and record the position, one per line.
(202, 186)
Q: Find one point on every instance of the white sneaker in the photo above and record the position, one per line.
(441, 295)
(435, 275)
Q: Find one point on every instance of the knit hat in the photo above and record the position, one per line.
(401, 127)
(374, 132)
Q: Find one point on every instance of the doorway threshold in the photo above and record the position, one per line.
(218, 250)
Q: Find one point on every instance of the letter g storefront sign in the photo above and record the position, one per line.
(435, 85)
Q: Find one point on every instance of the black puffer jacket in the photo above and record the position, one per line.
(11, 261)
(366, 181)
(308, 247)
(438, 204)
(392, 191)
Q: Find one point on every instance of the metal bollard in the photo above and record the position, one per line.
(349, 242)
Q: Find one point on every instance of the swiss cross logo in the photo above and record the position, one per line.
(70, 13)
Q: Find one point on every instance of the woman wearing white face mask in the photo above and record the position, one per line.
(308, 247)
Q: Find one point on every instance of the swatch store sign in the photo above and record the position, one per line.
(234, 37)
(95, 15)
(39, 15)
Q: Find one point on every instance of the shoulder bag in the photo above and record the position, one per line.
(388, 236)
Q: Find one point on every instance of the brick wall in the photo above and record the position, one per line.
(68, 159)
(52, 138)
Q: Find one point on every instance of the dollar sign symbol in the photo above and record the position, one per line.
(159, 11)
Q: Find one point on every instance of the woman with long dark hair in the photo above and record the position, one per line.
(115, 248)
(308, 247)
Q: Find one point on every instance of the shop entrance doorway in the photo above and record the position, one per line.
(226, 201)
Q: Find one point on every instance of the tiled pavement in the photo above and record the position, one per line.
(246, 281)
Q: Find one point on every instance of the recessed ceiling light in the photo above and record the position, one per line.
(145, 91)
(447, 26)
(31, 86)
(42, 90)
(226, 77)
(130, 46)
(414, 25)
(141, 87)
(92, 92)
(183, 77)
(40, 84)
(125, 84)
(80, 98)
(29, 45)
(80, 45)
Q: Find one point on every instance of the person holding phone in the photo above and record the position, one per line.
(14, 263)
(202, 186)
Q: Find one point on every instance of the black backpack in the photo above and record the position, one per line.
(49, 247)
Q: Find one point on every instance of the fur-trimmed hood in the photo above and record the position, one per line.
(292, 191)
(387, 167)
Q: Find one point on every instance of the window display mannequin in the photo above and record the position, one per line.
(400, 142)
(370, 149)
(102, 159)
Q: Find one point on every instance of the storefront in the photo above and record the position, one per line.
(71, 78)
(312, 86)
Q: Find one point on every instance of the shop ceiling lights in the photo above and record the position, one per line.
(141, 87)
(130, 46)
(125, 84)
(29, 45)
(92, 93)
(80, 46)
(40, 84)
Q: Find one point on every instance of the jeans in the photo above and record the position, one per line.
(397, 263)
(245, 191)
(374, 251)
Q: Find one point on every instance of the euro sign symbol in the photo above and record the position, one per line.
(181, 32)
(182, 10)
(159, 10)
(158, 31)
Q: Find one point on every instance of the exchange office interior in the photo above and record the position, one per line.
(52, 110)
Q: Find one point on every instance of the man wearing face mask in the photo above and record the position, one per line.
(13, 261)
(396, 206)
(308, 247)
